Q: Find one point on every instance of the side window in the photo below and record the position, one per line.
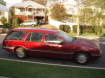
(34, 36)
(51, 37)
(28, 37)
(15, 35)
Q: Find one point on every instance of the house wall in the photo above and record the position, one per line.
(26, 14)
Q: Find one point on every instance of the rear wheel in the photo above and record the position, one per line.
(82, 58)
(20, 52)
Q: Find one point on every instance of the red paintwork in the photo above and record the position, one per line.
(66, 50)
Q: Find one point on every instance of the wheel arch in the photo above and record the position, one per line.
(75, 53)
(18, 47)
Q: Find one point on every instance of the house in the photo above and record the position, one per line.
(3, 12)
(30, 10)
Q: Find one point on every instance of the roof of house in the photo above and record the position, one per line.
(29, 4)
(3, 8)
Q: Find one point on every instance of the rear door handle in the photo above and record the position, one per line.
(45, 45)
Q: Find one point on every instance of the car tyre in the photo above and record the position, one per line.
(20, 52)
(82, 58)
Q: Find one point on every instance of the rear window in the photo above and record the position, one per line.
(34, 37)
(15, 35)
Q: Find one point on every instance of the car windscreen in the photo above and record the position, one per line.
(65, 36)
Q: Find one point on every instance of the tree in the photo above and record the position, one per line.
(86, 15)
(99, 8)
(15, 22)
(43, 2)
(3, 20)
(92, 13)
(2, 2)
(11, 14)
(58, 12)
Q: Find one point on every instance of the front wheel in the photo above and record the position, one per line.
(82, 58)
(20, 52)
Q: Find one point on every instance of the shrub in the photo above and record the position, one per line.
(65, 28)
(7, 26)
(15, 22)
(98, 30)
(75, 29)
(88, 29)
(3, 20)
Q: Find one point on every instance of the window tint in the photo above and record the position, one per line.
(34, 36)
(65, 36)
(28, 37)
(15, 35)
(52, 37)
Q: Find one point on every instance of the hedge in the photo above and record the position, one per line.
(6, 26)
(65, 28)
(88, 29)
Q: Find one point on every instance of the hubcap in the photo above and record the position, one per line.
(20, 53)
(82, 58)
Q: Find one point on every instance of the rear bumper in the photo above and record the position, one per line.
(8, 48)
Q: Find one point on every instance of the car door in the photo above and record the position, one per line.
(33, 43)
(55, 46)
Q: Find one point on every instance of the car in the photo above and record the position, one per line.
(28, 23)
(50, 43)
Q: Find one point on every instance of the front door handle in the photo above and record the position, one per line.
(26, 43)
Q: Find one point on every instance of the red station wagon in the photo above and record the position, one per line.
(50, 43)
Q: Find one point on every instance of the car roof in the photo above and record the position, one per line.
(35, 29)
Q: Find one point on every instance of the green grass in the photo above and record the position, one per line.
(29, 70)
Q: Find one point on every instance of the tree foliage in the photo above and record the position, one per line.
(15, 22)
(58, 12)
(96, 3)
(3, 20)
(11, 14)
(86, 14)
(2, 2)
(98, 8)
(43, 2)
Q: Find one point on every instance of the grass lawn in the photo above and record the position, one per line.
(29, 70)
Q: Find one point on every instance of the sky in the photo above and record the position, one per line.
(12, 2)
